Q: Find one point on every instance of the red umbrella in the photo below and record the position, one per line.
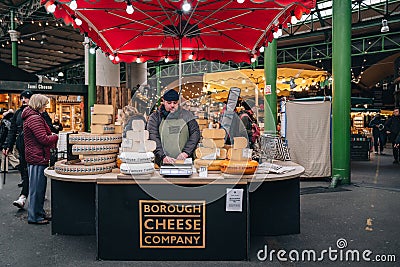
(159, 29)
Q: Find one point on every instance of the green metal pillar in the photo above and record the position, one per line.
(270, 72)
(158, 94)
(91, 86)
(341, 93)
(14, 40)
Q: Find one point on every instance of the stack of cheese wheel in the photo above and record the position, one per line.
(211, 151)
(97, 154)
(239, 159)
(102, 119)
(137, 151)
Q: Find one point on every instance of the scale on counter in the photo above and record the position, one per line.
(182, 169)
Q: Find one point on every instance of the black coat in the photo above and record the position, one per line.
(393, 126)
(15, 131)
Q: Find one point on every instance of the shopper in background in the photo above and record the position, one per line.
(5, 126)
(38, 142)
(47, 119)
(57, 125)
(174, 130)
(16, 137)
(378, 132)
(392, 127)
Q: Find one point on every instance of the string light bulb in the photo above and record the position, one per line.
(138, 60)
(240, 1)
(73, 5)
(186, 6)
(262, 49)
(293, 19)
(51, 8)
(129, 8)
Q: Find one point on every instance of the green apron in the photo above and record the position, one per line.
(174, 134)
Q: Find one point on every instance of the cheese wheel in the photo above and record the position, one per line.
(98, 159)
(137, 135)
(208, 153)
(208, 142)
(136, 157)
(135, 146)
(102, 119)
(212, 165)
(138, 125)
(94, 149)
(213, 133)
(239, 167)
(103, 109)
(239, 142)
(239, 154)
(88, 138)
(137, 169)
(102, 129)
(71, 169)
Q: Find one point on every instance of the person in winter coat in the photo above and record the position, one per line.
(174, 130)
(5, 126)
(392, 127)
(378, 132)
(38, 142)
(15, 137)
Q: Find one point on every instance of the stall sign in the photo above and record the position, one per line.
(172, 223)
(40, 86)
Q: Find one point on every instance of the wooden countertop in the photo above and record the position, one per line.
(156, 178)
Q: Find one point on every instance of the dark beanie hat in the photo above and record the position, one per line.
(171, 95)
(26, 93)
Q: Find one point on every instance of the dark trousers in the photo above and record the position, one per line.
(395, 152)
(379, 140)
(23, 169)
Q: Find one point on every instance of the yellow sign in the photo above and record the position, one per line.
(172, 223)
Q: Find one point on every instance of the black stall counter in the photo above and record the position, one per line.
(194, 218)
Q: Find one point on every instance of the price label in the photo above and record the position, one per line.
(203, 172)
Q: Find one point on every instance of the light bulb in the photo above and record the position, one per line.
(186, 7)
(117, 58)
(138, 60)
(129, 8)
(253, 59)
(262, 49)
(293, 19)
(78, 21)
(92, 50)
(73, 5)
(166, 59)
(240, 1)
(191, 56)
(111, 57)
(51, 8)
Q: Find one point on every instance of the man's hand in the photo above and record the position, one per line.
(182, 156)
(168, 160)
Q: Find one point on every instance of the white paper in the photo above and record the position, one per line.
(234, 199)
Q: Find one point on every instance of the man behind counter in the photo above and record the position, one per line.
(174, 130)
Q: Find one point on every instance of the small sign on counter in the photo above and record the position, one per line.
(234, 200)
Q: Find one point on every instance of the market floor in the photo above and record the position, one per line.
(348, 219)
